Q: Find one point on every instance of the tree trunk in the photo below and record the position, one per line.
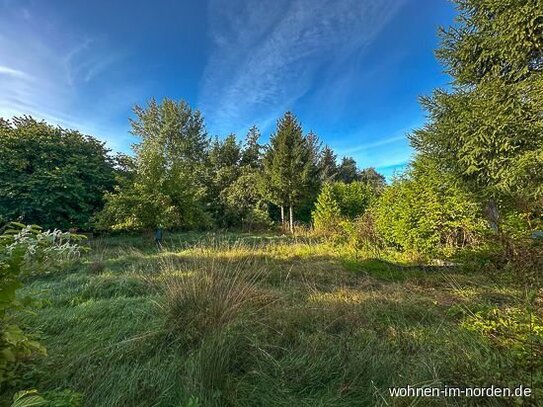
(291, 219)
(493, 215)
(282, 218)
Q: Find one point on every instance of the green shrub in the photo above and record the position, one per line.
(361, 234)
(25, 250)
(257, 219)
(338, 203)
(353, 198)
(424, 212)
(516, 331)
(56, 398)
(327, 215)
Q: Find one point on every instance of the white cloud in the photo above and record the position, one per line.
(268, 54)
(6, 70)
(47, 71)
(374, 144)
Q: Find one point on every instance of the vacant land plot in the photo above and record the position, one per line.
(267, 320)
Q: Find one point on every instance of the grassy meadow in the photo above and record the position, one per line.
(269, 320)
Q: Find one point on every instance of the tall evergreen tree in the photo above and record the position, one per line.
(347, 171)
(328, 165)
(314, 183)
(371, 177)
(287, 165)
(314, 178)
(252, 151)
(488, 130)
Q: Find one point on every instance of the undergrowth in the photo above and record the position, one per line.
(275, 321)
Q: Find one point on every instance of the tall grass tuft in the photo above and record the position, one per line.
(204, 294)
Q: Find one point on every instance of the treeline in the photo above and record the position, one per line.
(477, 171)
(177, 178)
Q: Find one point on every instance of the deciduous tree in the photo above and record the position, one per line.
(169, 184)
(51, 176)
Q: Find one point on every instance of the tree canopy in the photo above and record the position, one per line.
(289, 164)
(168, 183)
(51, 176)
(488, 129)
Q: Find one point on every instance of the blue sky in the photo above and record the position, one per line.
(351, 70)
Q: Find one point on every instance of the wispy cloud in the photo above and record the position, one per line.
(266, 55)
(15, 73)
(374, 144)
(46, 70)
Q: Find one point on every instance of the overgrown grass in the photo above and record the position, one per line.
(244, 320)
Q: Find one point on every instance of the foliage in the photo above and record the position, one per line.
(361, 234)
(25, 250)
(290, 164)
(328, 165)
(426, 213)
(169, 183)
(251, 155)
(223, 166)
(178, 178)
(245, 200)
(347, 171)
(32, 398)
(487, 131)
(518, 331)
(353, 198)
(51, 176)
(371, 177)
(327, 214)
(338, 207)
(236, 193)
(28, 398)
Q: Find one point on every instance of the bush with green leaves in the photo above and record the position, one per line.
(55, 398)
(339, 202)
(424, 212)
(353, 198)
(245, 201)
(51, 176)
(24, 251)
(517, 331)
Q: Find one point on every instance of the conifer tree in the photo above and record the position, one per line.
(327, 214)
(374, 179)
(314, 178)
(347, 171)
(287, 166)
(328, 165)
(488, 130)
(252, 150)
